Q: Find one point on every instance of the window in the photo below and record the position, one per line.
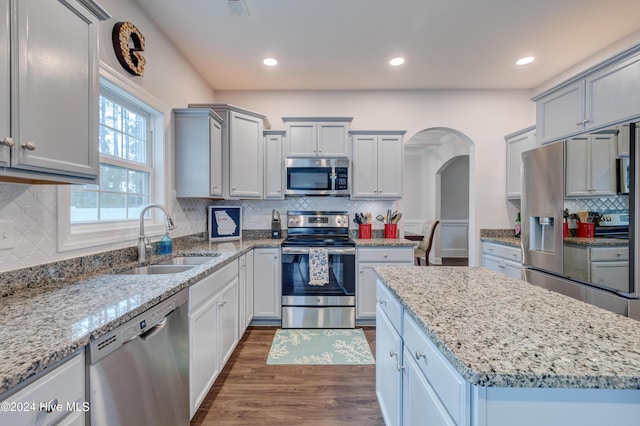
(125, 142)
(132, 172)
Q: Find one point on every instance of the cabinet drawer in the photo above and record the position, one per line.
(386, 254)
(65, 384)
(609, 253)
(210, 285)
(506, 252)
(390, 305)
(450, 387)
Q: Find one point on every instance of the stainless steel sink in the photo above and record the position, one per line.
(157, 269)
(189, 260)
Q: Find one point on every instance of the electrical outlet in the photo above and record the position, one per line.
(7, 235)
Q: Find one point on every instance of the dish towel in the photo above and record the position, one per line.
(318, 266)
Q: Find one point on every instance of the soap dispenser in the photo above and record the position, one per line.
(166, 245)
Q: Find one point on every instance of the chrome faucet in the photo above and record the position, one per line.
(143, 242)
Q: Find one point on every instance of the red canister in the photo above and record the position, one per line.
(586, 230)
(390, 230)
(364, 231)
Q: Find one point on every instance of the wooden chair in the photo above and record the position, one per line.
(424, 247)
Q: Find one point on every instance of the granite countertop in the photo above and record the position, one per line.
(41, 326)
(497, 331)
(617, 242)
(386, 242)
(505, 241)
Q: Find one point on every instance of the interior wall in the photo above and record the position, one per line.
(454, 197)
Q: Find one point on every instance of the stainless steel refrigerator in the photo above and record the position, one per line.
(562, 261)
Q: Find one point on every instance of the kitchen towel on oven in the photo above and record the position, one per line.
(318, 266)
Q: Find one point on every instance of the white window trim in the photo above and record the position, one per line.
(122, 233)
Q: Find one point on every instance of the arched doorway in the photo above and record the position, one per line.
(428, 154)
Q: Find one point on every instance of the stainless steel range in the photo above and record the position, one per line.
(318, 271)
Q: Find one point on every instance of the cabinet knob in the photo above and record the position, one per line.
(29, 146)
(361, 271)
(385, 256)
(399, 367)
(49, 406)
(619, 254)
(8, 141)
(382, 302)
(392, 353)
(234, 188)
(579, 123)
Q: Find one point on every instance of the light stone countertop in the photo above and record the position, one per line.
(617, 242)
(505, 241)
(497, 331)
(384, 242)
(41, 326)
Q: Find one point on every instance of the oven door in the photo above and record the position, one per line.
(341, 288)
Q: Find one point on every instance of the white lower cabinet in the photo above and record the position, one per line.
(58, 397)
(245, 287)
(213, 329)
(388, 369)
(367, 259)
(267, 301)
(503, 259)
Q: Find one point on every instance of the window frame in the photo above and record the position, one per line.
(122, 233)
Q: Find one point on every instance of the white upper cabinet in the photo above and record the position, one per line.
(590, 166)
(198, 152)
(517, 143)
(377, 164)
(49, 142)
(317, 137)
(606, 94)
(273, 164)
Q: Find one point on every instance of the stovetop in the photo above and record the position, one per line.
(318, 229)
(318, 241)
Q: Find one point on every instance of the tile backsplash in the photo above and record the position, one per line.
(29, 223)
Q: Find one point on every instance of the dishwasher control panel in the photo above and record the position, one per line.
(104, 345)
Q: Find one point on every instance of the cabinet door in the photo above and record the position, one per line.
(366, 292)
(267, 301)
(245, 156)
(274, 167)
(301, 140)
(492, 263)
(516, 145)
(215, 160)
(203, 358)
(388, 369)
(242, 293)
(364, 173)
(228, 334)
(612, 274)
(603, 165)
(390, 166)
(560, 113)
(577, 182)
(609, 92)
(55, 126)
(333, 140)
(420, 404)
(5, 129)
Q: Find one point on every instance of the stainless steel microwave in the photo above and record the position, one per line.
(317, 176)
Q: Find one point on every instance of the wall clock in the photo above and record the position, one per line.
(129, 57)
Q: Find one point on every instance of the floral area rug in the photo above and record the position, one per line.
(320, 347)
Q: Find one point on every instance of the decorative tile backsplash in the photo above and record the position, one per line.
(29, 223)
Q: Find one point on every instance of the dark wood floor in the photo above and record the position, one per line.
(250, 392)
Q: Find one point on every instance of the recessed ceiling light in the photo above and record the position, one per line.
(396, 61)
(524, 61)
(270, 62)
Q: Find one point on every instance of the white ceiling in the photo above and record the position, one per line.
(346, 44)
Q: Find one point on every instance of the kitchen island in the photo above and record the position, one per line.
(522, 354)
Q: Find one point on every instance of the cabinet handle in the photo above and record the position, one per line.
(8, 141)
(382, 302)
(579, 123)
(490, 249)
(234, 188)
(385, 255)
(619, 254)
(514, 255)
(29, 146)
(49, 406)
(421, 355)
(392, 353)
(399, 367)
(361, 271)
(585, 121)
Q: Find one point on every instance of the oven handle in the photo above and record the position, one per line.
(331, 250)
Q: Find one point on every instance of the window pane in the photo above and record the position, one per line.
(110, 113)
(135, 204)
(84, 206)
(134, 124)
(113, 178)
(136, 149)
(113, 206)
(138, 182)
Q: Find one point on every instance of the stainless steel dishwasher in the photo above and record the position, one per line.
(138, 373)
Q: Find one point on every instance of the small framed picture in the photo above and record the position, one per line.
(225, 223)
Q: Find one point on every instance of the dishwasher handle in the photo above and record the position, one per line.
(156, 328)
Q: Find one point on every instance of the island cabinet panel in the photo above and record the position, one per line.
(388, 369)
(552, 406)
